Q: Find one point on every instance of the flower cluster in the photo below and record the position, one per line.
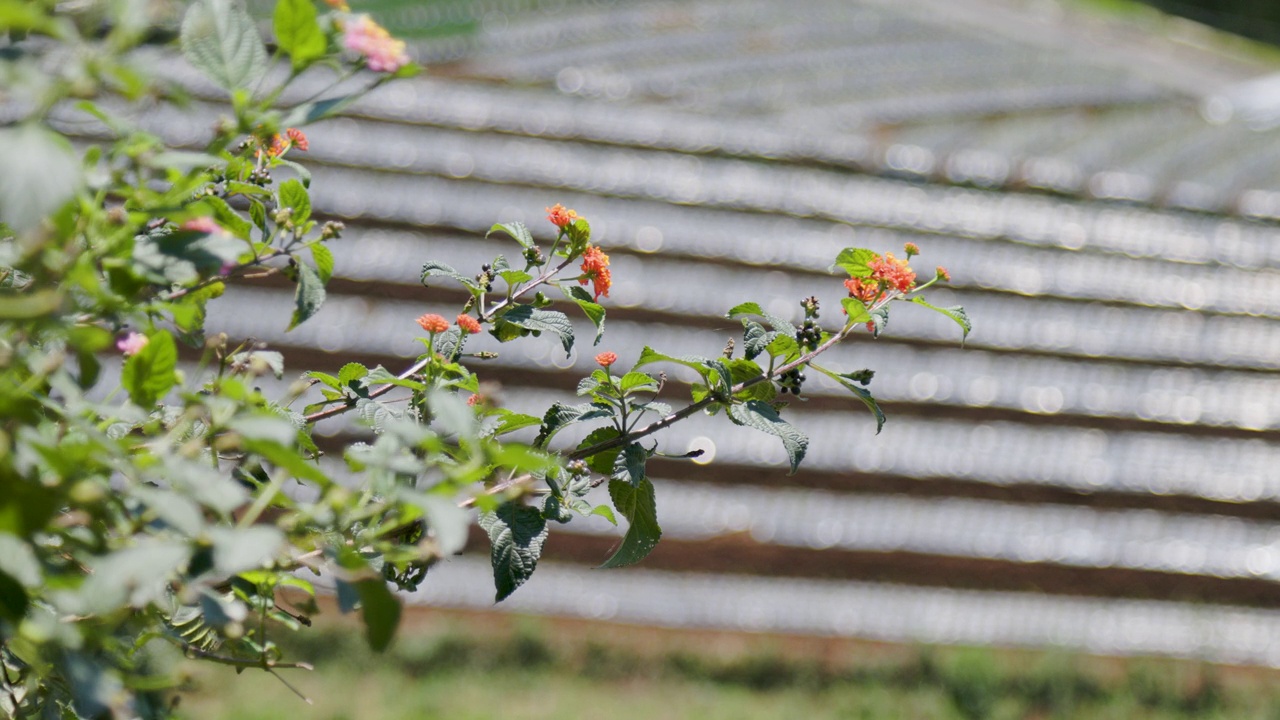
(132, 343)
(887, 273)
(561, 216)
(433, 323)
(595, 267)
(382, 53)
(468, 324)
(204, 225)
(605, 359)
(280, 144)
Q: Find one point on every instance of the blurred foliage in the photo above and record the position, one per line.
(441, 673)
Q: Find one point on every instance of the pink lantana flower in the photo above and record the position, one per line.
(132, 343)
(382, 52)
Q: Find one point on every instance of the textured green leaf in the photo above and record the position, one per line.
(516, 230)
(511, 421)
(220, 39)
(298, 31)
(648, 355)
(351, 371)
(784, 347)
(134, 576)
(638, 381)
(755, 339)
(295, 197)
(856, 310)
(854, 261)
(183, 256)
(516, 534)
(322, 256)
(606, 461)
(515, 277)
(879, 319)
(228, 218)
(433, 269)
(592, 309)
(308, 297)
(956, 313)
(763, 417)
(531, 318)
(149, 373)
(24, 306)
(847, 381)
(380, 611)
(630, 464)
(637, 505)
(559, 416)
(750, 308)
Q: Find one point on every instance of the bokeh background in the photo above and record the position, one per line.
(1076, 514)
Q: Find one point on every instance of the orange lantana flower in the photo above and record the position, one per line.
(433, 323)
(561, 216)
(595, 267)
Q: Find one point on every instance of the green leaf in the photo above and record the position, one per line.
(559, 416)
(755, 339)
(40, 174)
(19, 561)
(648, 355)
(579, 233)
(854, 261)
(303, 173)
(26, 306)
(516, 230)
(294, 196)
(325, 378)
(784, 347)
(630, 464)
(134, 576)
(636, 503)
(592, 309)
(515, 277)
(856, 310)
(879, 319)
(149, 373)
(351, 371)
(380, 611)
(298, 32)
(847, 381)
(511, 421)
(516, 534)
(604, 461)
(638, 381)
(750, 308)
(288, 459)
(432, 269)
(13, 599)
(323, 258)
(313, 112)
(531, 318)
(220, 39)
(228, 217)
(309, 296)
(763, 417)
(956, 313)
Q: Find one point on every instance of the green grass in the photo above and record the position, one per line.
(526, 676)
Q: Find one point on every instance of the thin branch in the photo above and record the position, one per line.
(418, 366)
(260, 663)
(685, 412)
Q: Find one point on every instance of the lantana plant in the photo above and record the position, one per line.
(146, 509)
